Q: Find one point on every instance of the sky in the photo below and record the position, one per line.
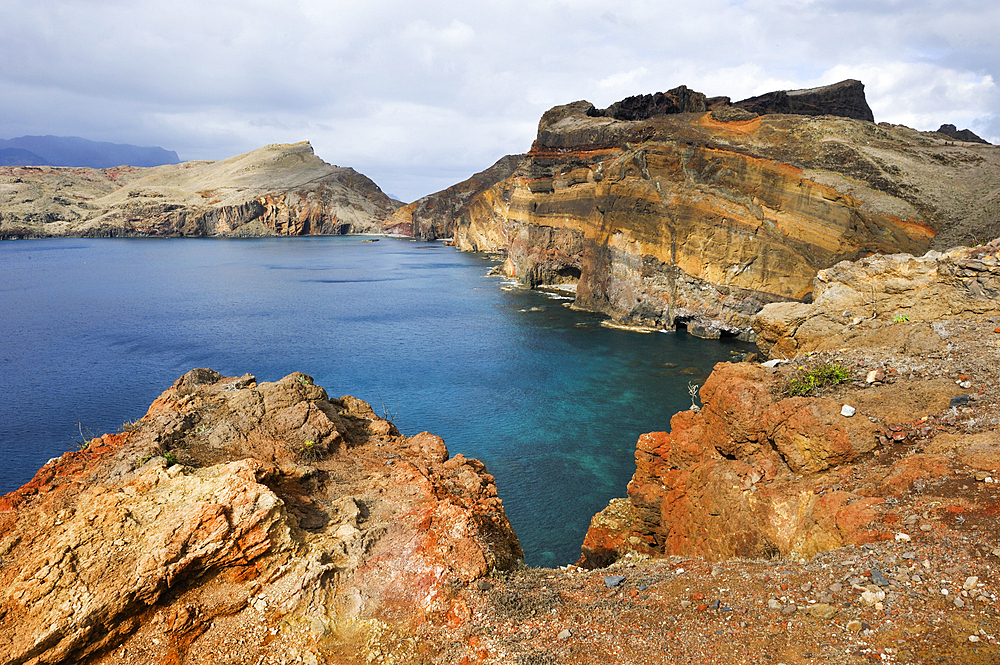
(421, 95)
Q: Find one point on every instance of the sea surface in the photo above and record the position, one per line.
(92, 331)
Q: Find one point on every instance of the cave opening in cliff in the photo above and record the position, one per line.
(566, 275)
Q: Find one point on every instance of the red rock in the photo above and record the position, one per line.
(312, 532)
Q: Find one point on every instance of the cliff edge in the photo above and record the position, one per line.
(239, 521)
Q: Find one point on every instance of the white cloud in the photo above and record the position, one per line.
(412, 90)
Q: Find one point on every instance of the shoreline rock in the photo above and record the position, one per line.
(675, 209)
(265, 510)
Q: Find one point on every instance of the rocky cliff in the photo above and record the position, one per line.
(868, 422)
(676, 208)
(885, 300)
(239, 521)
(275, 190)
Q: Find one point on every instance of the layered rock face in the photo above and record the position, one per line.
(680, 209)
(436, 216)
(301, 525)
(859, 303)
(275, 190)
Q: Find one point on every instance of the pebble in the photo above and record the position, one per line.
(902, 538)
(854, 626)
(878, 578)
(836, 587)
(847, 411)
(565, 634)
(982, 475)
(959, 602)
(484, 585)
(789, 609)
(774, 604)
(970, 582)
(822, 610)
(611, 581)
(926, 527)
(973, 638)
(685, 604)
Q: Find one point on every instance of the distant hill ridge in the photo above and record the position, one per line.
(76, 151)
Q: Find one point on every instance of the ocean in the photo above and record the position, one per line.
(93, 330)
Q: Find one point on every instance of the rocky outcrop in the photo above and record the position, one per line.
(960, 134)
(664, 216)
(708, 486)
(757, 473)
(845, 99)
(885, 301)
(275, 190)
(436, 216)
(266, 511)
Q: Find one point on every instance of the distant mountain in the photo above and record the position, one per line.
(20, 157)
(75, 151)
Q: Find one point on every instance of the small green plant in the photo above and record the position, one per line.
(85, 439)
(170, 457)
(820, 377)
(309, 451)
(900, 318)
(304, 380)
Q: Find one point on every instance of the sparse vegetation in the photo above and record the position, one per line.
(693, 392)
(819, 377)
(170, 457)
(900, 318)
(309, 452)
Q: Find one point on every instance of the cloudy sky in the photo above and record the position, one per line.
(420, 95)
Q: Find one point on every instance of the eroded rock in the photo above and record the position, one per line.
(233, 503)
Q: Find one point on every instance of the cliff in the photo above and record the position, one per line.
(239, 521)
(869, 421)
(678, 209)
(275, 190)
(885, 300)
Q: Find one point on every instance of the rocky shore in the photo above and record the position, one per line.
(679, 209)
(788, 519)
(240, 522)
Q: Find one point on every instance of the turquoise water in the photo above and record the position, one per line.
(553, 402)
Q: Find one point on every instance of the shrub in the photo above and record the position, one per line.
(820, 377)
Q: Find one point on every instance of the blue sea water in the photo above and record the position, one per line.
(92, 331)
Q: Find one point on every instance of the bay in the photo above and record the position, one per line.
(92, 331)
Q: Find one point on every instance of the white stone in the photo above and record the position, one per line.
(847, 411)
(902, 538)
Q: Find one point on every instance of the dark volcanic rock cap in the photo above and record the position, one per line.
(845, 99)
(966, 135)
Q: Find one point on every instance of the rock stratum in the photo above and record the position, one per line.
(283, 190)
(679, 209)
(301, 527)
